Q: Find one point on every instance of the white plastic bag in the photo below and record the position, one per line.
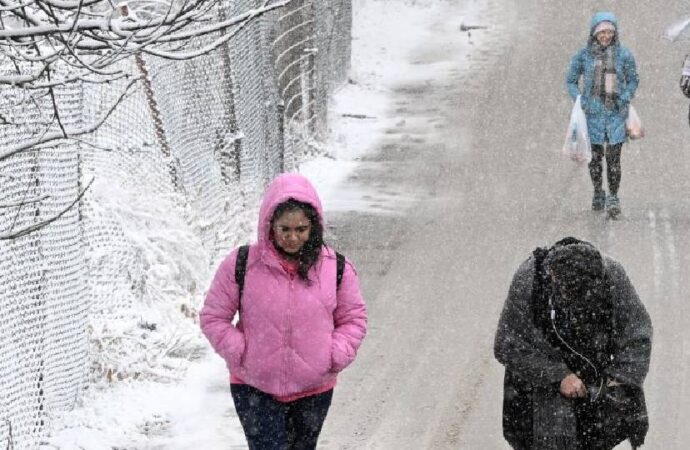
(633, 124)
(577, 145)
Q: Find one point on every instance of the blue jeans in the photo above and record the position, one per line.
(272, 425)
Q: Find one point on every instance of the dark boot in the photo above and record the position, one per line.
(613, 206)
(599, 200)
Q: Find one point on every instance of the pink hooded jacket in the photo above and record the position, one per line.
(292, 336)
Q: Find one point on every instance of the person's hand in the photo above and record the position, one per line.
(612, 383)
(573, 387)
(623, 104)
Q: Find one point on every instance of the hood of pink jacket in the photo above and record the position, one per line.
(281, 189)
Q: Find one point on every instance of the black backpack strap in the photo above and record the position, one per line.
(241, 267)
(340, 268)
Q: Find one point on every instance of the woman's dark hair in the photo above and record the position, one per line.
(311, 249)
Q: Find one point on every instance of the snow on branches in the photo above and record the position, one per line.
(90, 36)
(49, 45)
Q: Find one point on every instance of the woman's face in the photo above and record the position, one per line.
(291, 230)
(605, 37)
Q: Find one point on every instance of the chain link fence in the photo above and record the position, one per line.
(115, 278)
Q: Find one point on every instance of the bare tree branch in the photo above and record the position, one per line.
(51, 90)
(11, 6)
(18, 10)
(37, 226)
(202, 51)
(51, 43)
(122, 26)
(53, 136)
(92, 36)
(24, 202)
(21, 204)
(91, 144)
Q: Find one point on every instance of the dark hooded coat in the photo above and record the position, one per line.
(535, 414)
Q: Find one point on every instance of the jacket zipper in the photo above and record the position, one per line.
(288, 336)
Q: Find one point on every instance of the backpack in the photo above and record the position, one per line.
(241, 268)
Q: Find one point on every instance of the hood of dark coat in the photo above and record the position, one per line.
(578, 269)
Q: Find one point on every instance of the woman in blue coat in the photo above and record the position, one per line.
(609, 81)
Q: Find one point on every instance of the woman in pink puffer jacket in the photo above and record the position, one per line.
(297, 328)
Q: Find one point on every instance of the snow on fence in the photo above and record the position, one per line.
(109, 288)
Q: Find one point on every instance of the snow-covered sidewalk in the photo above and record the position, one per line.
(195, 413)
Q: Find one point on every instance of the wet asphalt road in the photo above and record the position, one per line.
(475, 164)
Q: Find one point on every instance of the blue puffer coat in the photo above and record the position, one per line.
(603, 124)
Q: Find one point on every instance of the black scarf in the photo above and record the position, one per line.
(605, 83)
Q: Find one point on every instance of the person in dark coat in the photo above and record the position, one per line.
(575, 340)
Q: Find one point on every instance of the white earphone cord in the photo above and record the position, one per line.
(596, 372)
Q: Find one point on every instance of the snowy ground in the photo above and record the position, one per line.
(436, 277)
(386, 39)
(197, 411)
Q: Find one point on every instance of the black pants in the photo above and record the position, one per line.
(613, 166)
(271, 425)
